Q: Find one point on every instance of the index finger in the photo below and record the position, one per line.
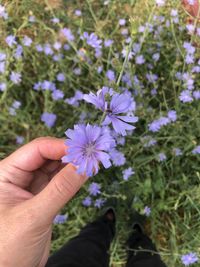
(32, 156)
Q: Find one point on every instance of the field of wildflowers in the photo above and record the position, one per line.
(121, 79)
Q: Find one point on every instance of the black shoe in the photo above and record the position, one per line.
(138, 222)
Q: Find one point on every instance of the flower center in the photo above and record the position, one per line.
(89, 150)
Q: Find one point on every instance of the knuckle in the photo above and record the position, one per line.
(65, 187)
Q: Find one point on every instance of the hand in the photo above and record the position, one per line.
(34, 186)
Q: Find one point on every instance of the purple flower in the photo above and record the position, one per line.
(74, 101)
(94, 189)
(61, 77)
(196, 94)
(122, 22)
(190, 49)
(156, 57)
(3, 13)
(18, 52)
(139, 60)
(174, 12)
(120, 103)
(191, 2)
(172, 115)
(77, 71)
(99, 203)
(147, 211)
(117, 157)
(55, 20)
(2, 56)
(161, 157)
(78, 12)
(148, 141)
(31, 19)
(189, 259)
(127, 173)
(3, 87)
(110, 74)
(15, 77)
(60, 219)
(27, 41)
(177, 152)
(160, 2)
(49, 119)
(19, 140)
(97, 100)
(57, 94)
(87, 146)
(57, 45)
(39, 48)
(196, 150)
(67, 33)
(11, 40)
(185, 96)
(16, 104)
(92, 40)
(47, 85)
(87, 202)
(48, 50)
(108, 43)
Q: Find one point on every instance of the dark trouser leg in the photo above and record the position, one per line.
(88, 249)
(138, 241)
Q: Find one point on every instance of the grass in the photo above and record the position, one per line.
(171, 188)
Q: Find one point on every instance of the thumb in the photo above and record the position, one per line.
(58, 192)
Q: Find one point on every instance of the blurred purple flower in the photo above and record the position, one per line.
(78, 12)
(57, 45)
(196, 95)
(19, 140)
(172, 115)
(186, 96)
(39, 48)
(49, 119)
(122, 22)
(117, 157)
(18, 52)
(48, 50)
(3, 86)
(57, 94)
(55, 20)
(196, 150)
(110, 74)
(162, 157)
(3, 13)
(177, 152)
(67, 33)
(27, 41)
(92, 40)
(108, 42)
(60, 219)
(94, 189)
(189, 259)
(87, 146)
(60, 77)
(98, 100)
(15, 77)
(147, 211)
(160, 2)
(87, 202)
(2, 56)
(11, 40)
(99, 203)
(139, 60)
(127, 173)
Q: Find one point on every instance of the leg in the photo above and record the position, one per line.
(139, 241)
(88, 249)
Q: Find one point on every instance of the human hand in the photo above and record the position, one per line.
(34, 186)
